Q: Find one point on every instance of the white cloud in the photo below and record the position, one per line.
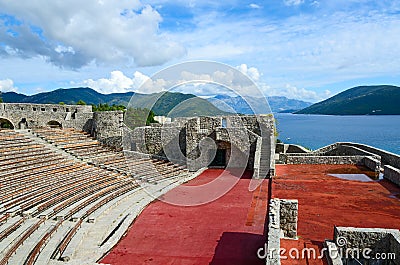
(7, 85)
(293, 2)
(308, 50)
(252, 72)
(254, 6)
(327, 94)
(74, 33)
(315, 3)
(203, 85)
(117, 83)
(322, 48)
(294, 92)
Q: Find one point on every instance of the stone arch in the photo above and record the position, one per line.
(54, 124)
(6, 123)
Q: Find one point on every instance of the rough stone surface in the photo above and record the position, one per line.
(106, 126)
(282, 223)
(332, 258)
(392, 174)
(341, 153)
(347, 150)
(332, 160)
(288, 218)
(387, 158)
(274, 233)
(25, 116)
(247, 142)
(373, 164)
(382, 241)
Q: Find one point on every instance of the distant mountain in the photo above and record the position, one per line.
(284, 104)
(239, 105)
(189, 105)
(362, 100)
(69, 96)
(176, 104)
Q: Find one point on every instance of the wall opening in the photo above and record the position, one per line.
(6, 124)
(223, 123)
(23, 124)
(54, 124)
(219, 159)
(222, 155)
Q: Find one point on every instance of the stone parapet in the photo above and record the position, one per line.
(392, 174)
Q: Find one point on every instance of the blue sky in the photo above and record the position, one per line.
(303, 49)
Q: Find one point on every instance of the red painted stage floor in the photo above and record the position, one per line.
(231, 229)
(326, 201)
(228, 230)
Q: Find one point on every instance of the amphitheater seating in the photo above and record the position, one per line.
(38, 183)
(84, 147)
(35, 179)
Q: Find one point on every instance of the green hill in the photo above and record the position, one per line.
(163, 106)
(69, 96)
(362, 100)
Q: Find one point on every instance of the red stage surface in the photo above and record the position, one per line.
(231, 229)
(326, 201)
(226, 231)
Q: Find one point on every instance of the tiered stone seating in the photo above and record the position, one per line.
(35, 179)
(39, 182)
(82, 146)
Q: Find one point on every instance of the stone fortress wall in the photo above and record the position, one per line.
(239, 141)
(105, 126)
(23, 115)
(235, 141)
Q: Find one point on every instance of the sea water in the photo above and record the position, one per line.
(315, 131)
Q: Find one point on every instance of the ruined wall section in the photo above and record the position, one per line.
(26, 116)
(184, 140)
(392, 174)
(166, 142)
(198, 129)
(108, 127)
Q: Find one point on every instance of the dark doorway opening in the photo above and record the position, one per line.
(54, 124)
(219, 159)
(23, 124)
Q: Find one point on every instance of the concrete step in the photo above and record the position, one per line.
(23, 251)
